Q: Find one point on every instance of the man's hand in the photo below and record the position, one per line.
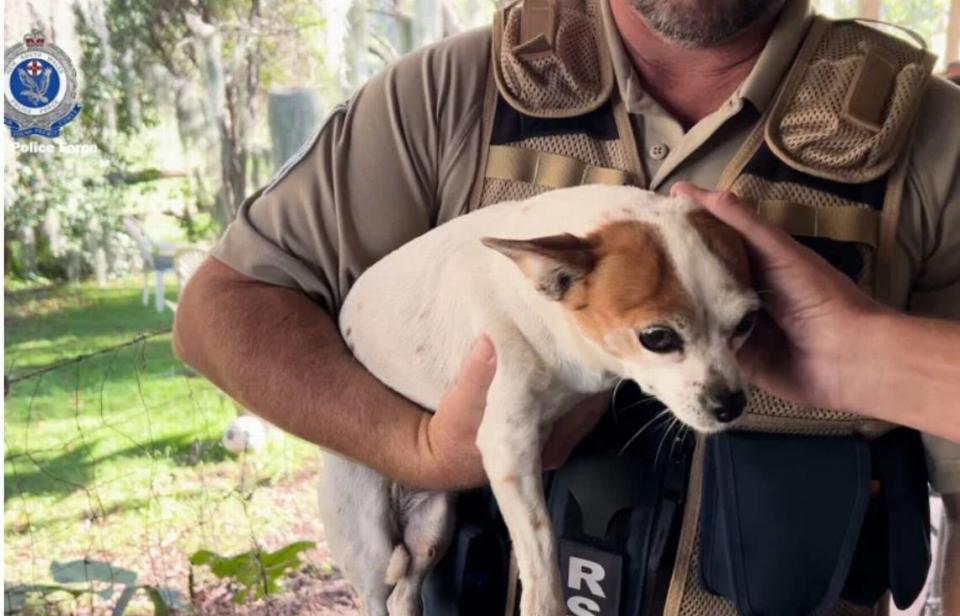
(447, 451)
(818, 312)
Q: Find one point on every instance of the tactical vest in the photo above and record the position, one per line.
(826, 162)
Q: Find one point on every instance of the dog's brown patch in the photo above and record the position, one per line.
(633, 283)
(724, 242)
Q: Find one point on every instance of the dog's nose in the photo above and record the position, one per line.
(730, 406)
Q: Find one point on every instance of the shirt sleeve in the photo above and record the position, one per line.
(934, 186)
(375, 175)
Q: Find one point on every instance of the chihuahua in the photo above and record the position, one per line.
(577, 288)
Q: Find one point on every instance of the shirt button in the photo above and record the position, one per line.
(659, 151)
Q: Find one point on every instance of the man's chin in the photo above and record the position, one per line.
(703, 23)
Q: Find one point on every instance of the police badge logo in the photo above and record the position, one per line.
(40, 88)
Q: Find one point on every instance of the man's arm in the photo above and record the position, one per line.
(259, 317)
(280, 355)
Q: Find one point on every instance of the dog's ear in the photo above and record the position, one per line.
(553, 263)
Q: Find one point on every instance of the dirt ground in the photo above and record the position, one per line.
(304, 593)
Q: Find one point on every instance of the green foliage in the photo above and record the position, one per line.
(925, 17)
(257, 572)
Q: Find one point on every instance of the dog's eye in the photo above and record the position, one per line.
(745, 326)
(661, 339)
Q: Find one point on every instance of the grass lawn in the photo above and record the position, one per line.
(117, 458)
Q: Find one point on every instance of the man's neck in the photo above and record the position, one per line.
(688, 82)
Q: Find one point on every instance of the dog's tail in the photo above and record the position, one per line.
(398, 565)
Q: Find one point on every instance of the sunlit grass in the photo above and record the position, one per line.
(118, 457)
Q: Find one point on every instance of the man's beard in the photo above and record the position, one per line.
(703, 23)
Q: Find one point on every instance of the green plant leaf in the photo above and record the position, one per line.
(286, 556)
(14, 596)
(160, 602)
(85, 571)
(256, 572)
(121, 605)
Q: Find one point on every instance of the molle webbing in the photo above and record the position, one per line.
(528, 155)
(547, 170)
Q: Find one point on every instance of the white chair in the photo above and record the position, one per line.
(157, 258)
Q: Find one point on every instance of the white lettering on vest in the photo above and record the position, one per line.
(582, 570)
(582, 606)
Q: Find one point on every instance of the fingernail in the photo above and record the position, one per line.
(483, 347)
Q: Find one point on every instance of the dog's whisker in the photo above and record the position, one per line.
(642, 428)
(636, 404)
(681, 437)
(664, 438)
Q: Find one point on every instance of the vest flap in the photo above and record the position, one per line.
(550, 59)
(848, 103)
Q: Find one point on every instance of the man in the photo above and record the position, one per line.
(695, 78)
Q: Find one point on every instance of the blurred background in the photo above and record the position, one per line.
(131, 484)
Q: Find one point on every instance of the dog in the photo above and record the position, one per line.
(577, 288)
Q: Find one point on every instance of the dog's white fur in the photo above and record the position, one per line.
(410, 320)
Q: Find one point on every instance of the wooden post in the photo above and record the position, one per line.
(868, 9)
(952, 53)
(292, 115)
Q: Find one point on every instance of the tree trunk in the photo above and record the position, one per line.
(74, 266)
(232, 173)
(292, 115)
(133, 96)
(355, 50)
(427, 22)
(97, 19)
(28, 251)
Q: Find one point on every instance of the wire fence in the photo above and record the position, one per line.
(116, 478)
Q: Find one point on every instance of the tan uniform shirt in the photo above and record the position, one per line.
(402, 155)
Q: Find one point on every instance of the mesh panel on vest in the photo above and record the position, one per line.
(756, 188)
(697, 601)
(595, 152)
(813, 130)
(496, 190)
(566, 78)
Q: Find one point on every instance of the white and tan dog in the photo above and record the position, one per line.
(578, 288)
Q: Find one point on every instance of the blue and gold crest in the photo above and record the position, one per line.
(40, 88)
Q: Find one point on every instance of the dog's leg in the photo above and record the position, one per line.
(509, 442)
(427, 523)
(360, 529)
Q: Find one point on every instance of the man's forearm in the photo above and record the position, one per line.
(280, 355)
(906, 370)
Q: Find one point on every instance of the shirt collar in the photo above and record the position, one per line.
(760, 85)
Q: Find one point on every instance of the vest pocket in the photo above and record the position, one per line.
(781, 518)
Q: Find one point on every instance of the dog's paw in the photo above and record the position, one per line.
(542, 600)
